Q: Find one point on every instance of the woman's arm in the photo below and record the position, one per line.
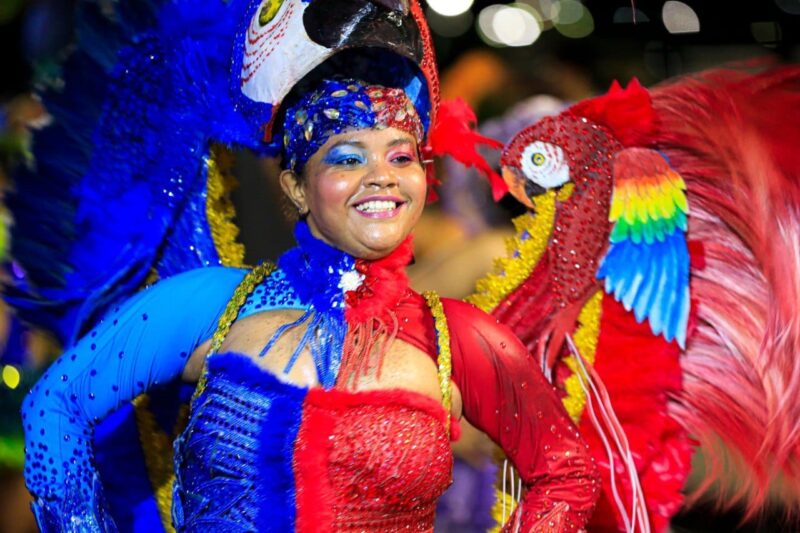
(143, 342)
(506, 396)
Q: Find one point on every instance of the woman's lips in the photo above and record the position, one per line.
(379, 206)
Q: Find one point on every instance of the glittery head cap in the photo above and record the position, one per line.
(336, 106)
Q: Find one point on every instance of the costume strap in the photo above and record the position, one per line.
(243, 290)
(444, 360)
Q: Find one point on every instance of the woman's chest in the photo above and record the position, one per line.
(256, 443)
(391, 363)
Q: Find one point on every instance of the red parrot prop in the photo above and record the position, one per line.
(656, 277)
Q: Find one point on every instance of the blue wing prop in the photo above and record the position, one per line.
(647, 264)
(118, 188)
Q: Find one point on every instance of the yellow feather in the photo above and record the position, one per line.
(680, 200)
(616, 205)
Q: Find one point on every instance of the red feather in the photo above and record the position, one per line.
(733, 136)
(628, 113)
(453, 134)
(642, 375)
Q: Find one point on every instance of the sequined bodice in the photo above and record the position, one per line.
(388, 458)
(256, 451)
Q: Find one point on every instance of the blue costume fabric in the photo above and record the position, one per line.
(233, 463)
(145, 344)
(340, 105)
(134, 348)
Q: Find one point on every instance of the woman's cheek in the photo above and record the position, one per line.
(333, 190)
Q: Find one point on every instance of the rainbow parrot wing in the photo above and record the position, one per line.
(646, 267)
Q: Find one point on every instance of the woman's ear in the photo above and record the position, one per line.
(293, 188)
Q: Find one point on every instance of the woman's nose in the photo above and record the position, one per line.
(381, 174)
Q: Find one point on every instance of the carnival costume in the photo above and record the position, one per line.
(258, 453)
(656, 280)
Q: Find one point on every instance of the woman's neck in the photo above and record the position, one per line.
(330, 279)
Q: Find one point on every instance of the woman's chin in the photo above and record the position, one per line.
(375, 247)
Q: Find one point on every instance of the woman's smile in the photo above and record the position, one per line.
(380, 207)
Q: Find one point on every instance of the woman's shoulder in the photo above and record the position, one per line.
(198, 277)
(469, 324)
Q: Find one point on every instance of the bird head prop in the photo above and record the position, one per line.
(573, 151)
(617, 211)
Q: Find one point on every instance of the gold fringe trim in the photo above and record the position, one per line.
(445, 357)
(523, 254)
(585, 337)
(220, 211)
(157, 450)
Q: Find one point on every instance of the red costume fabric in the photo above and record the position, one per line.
(505, 396)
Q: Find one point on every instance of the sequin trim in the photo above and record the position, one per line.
(220, 211)
(585, 337)
(444, 359)
(525, 250)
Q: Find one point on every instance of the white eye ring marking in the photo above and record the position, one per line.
(545, 165)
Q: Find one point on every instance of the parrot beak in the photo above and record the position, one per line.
(388, 24)
(520, 187)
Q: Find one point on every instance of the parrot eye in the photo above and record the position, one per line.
(268, 12)
(545, 165)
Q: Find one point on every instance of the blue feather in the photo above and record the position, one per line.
(652, 280)
(120, 172)
(640, 272)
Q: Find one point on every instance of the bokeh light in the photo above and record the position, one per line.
(509, 25)
(679, 17)
(574, 20)
(789, 6)
(449, 26)
(569, 12)
(767, 33)
(627, 15)
(11, 376)
(450, 8)
(547, 10)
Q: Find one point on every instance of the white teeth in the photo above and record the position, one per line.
(376, 206)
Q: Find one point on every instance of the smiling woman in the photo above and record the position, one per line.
(327, 391)
(363, 192)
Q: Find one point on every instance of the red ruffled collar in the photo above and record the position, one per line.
(384, 286)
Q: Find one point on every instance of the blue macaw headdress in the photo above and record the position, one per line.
(129, 175)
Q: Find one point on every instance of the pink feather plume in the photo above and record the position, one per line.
(734, 136)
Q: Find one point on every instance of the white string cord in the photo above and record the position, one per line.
(638, 511)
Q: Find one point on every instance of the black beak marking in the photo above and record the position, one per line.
(532, 189)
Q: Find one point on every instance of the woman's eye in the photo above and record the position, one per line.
(344, 160)
(403, 158)
(349, 161)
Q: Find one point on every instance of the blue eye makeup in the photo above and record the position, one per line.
(344, 155)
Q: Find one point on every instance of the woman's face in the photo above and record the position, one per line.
(363, 191)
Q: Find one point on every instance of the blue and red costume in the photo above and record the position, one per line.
(261, 454)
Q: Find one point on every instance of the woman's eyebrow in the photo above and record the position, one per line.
(346, 142)
(400, 140)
